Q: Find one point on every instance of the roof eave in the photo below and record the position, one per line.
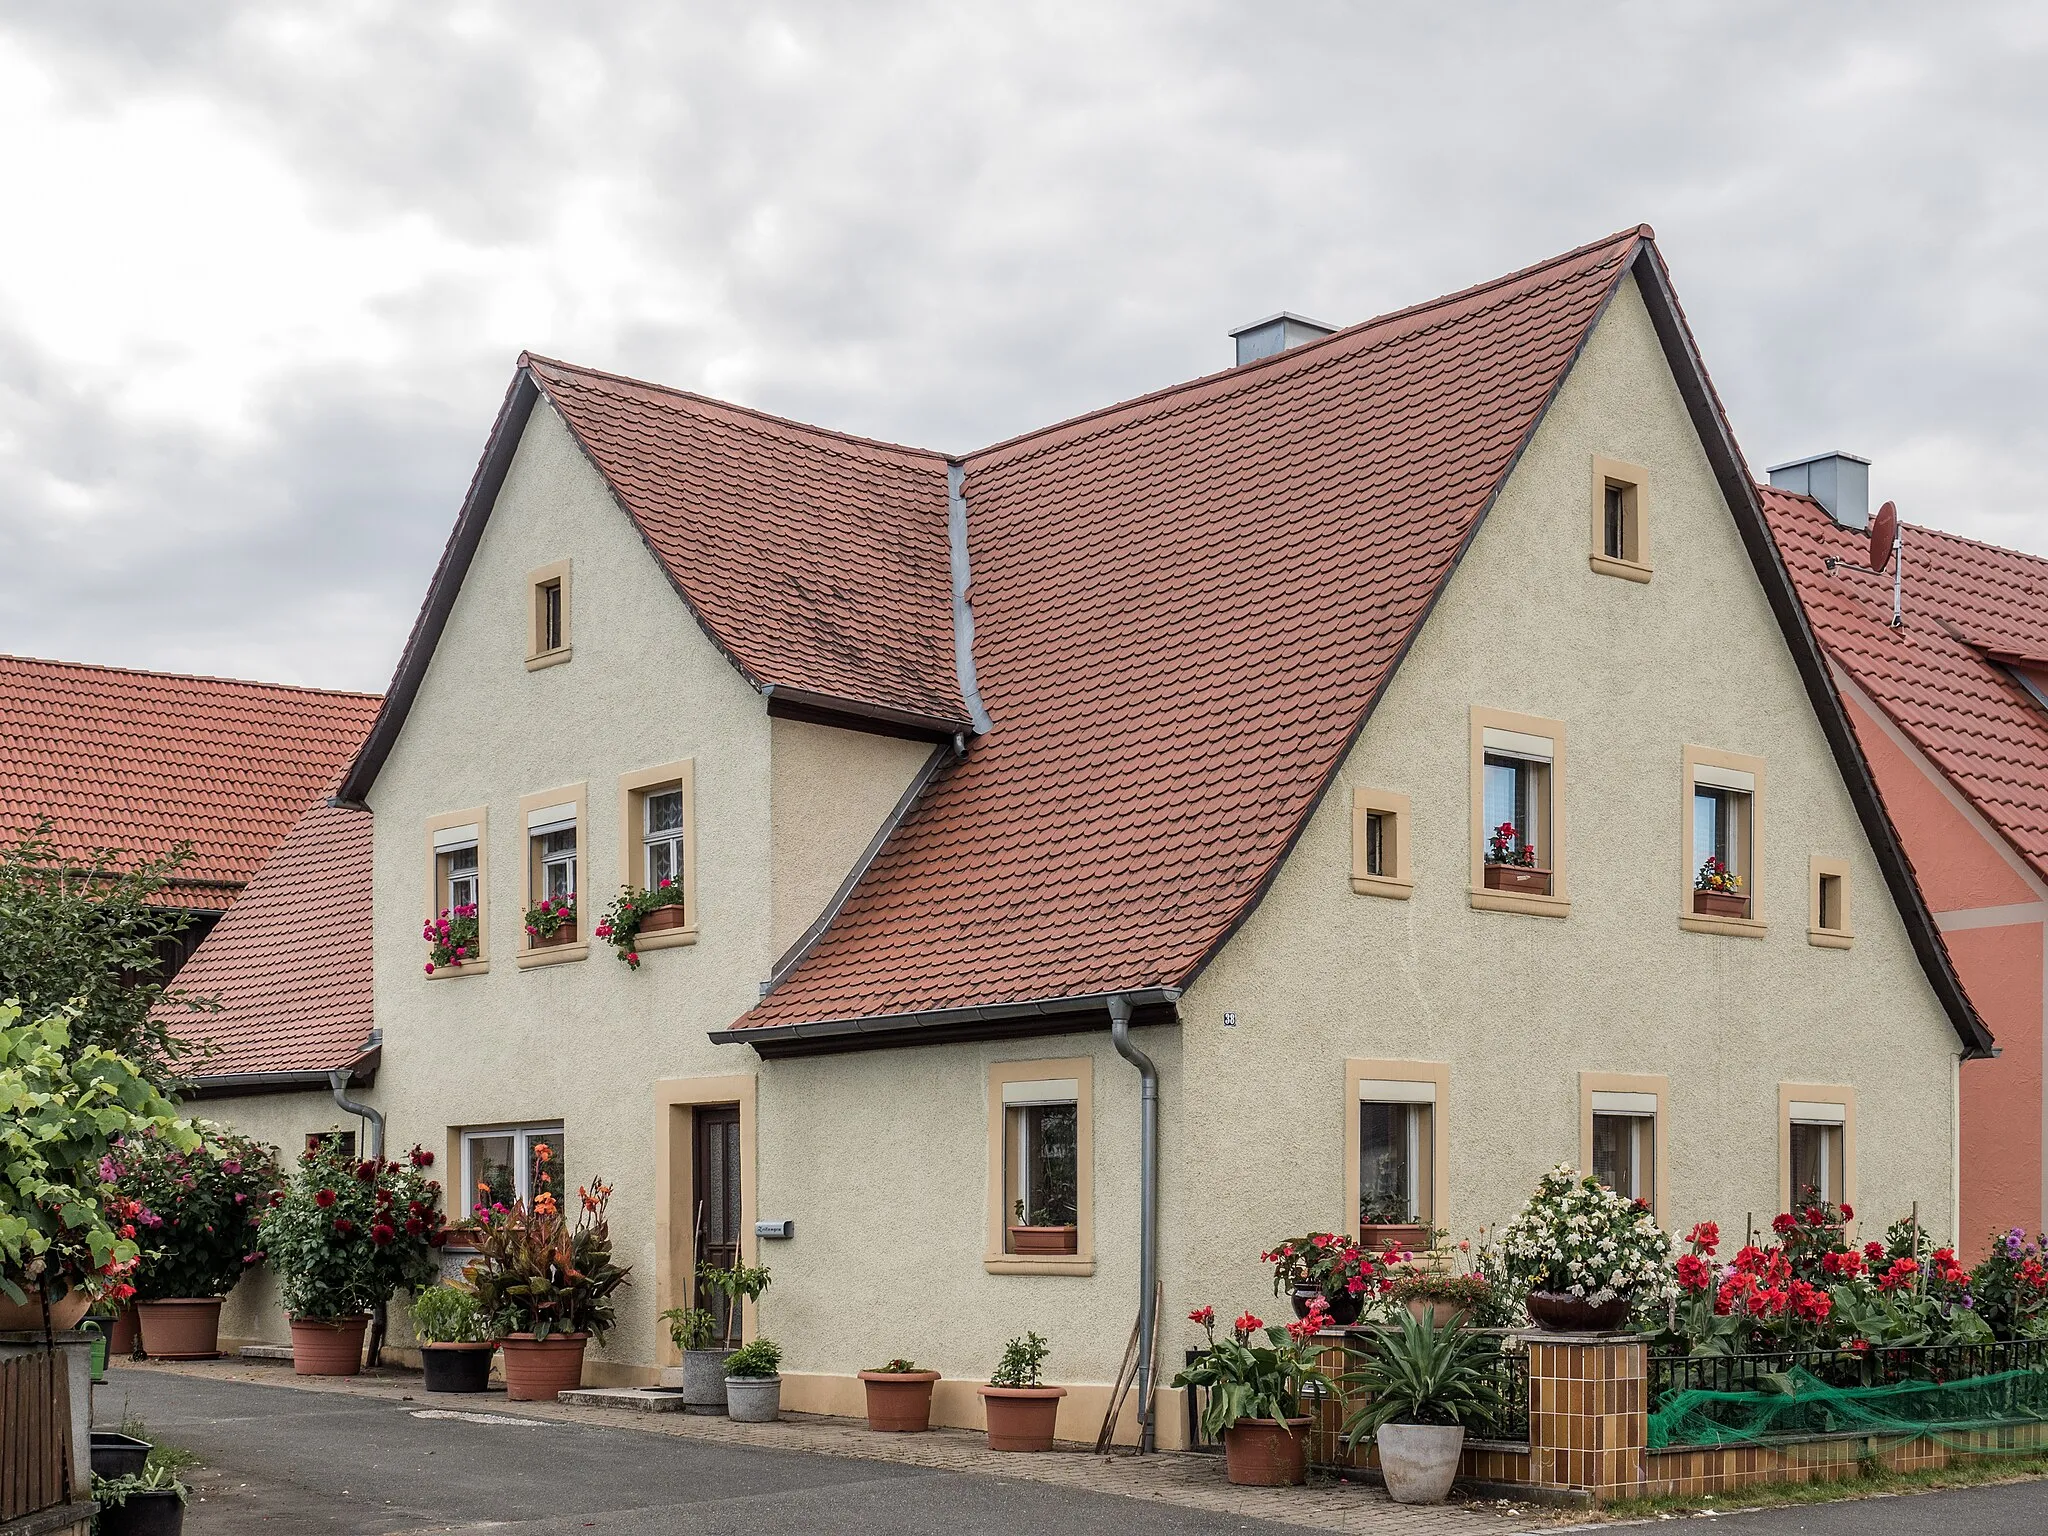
(790, 703)
(994, 1021)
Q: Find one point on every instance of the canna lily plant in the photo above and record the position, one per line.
(537, 1272)
(1246, 1379)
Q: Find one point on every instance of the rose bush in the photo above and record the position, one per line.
(1578, 1237)
(342, 1235)
(195, 1208)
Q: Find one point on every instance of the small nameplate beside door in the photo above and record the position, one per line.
(785, 1228)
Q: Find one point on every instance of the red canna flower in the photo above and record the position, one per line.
(1206, 1316)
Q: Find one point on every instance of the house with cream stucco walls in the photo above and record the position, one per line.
(1275, 803)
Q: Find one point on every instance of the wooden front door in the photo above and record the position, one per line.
(715, 1158)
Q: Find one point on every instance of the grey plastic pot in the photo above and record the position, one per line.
(1419, 1461)
(704, 1380)
(753, 1399)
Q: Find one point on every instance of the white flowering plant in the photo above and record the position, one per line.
(1578, 1237)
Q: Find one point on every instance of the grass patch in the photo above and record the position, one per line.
(171, 1458)
(1871, 1481)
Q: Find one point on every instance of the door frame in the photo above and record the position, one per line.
(675, 1100)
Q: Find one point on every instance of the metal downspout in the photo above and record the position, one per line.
(338, 1080)
(1148, 1211)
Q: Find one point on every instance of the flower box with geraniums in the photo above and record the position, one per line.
(1384, 1227)
(1588, 1254)
(1511, 864)
(341, 1237)
(197, 1210)
(701, 1376)
(548, 1283)
(1022, 1410)
(65, 1239)
(1419, 1387)
(456, 1339)
(1256, 1394)
(1331, 1268)
(452, 938)
(753, 1383)
(1717, 891)
(634, 912)
(551, 922)
(899, 1397)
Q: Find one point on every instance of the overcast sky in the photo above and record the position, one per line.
(265, 268)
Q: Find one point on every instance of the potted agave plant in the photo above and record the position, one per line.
(1420, 1386)
(549, 1281)
(1022, 1410)
(1717, 891)
(342, 1236)
(899, 1397)
(1511, 863)
(1255, 1393)
(1588, 1253)
(753, 1382)
(456, 1339)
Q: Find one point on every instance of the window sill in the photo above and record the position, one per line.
(1607, 565)
(1039, 1264)
(560, 954)
(1734, 927)
(549, 658)
(456, 973)
(1382, 885)
(1528, 906)
(668, 938)
(1829, 938)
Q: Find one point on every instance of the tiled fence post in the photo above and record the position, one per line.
(1588, 1413)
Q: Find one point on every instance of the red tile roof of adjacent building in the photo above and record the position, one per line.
(1184, 607)
(817, 561)
(1972, 611)
(291, 964)
(141, 761)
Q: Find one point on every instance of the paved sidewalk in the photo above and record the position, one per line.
(1192, 1482)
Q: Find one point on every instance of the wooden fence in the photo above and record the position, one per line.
(35, 1434)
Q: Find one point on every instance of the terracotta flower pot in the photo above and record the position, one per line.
(899, 1402)
(1045, 1239)
(1441, 1314)
(457, 1367)
(1517, 880)
(124, 1333)
(661, 919)
(1562, 1312)
(1719, 904)
(326, 1346)
(1267, 1453)
(1021, 1418)
(537, 1369)
(17, 1317)
(186, 1328)
(1344, 1307)
(1377, 1237)
(566, 934)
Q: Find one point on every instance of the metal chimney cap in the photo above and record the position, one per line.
(1276, 333)
(1814, 458)
(1285, 314)
(1840, 482)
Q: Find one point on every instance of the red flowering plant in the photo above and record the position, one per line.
(1332, 1263)
(451, 938)
(2010, 1285)
(342, 1235)
(549, 916)
(194, 1208)
(620, 925)
(1243, 1378)
(1716, 876)
(1508, 846)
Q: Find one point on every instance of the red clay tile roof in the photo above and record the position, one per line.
(1964, 603)
(290, 965)
(817, 561)
(143, 760)
(1184, 606)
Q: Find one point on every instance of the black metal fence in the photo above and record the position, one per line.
(1875, 1366)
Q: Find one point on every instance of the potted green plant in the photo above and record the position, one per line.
(1717, 891)
(1587, 1253)
(548, 1282)
(899, 1397)
(455, 1337)
(1330, 1268)
(701, 1376)
(146, 1503)
(551, 922)
(1022, 1410)
(342, 1236)
(1420, 1385)
(753, 1383)
(1256, 1393)
(1511, 863)
(1442, 1298)
(634, 912)
(198, 1210)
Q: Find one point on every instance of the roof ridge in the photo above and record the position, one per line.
(188, 677)
(1941, 533)
(1295, 357)
(754, 412)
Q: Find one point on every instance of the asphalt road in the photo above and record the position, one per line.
(323, 1464)
(2005, 1509)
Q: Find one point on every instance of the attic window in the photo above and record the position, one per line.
(1827, 903)
(1381, 857)
(1621, 538)
(548, 613)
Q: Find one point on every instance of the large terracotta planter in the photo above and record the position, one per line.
(1045, 1239)
(1439, 1314)
(457, 1367)
(537, 1369)
(1562, 1312)
(124, 1334)
(186, 1328)
(1021, 1418)
(899, 1402)
(1267, 1453)
(1719, 904)
(1515, 880)
(1377, 1237)
(661, 919)
(566, 934)
(1419, 1461)
(326, 1346)
(16, 1317)
(1344, 1307)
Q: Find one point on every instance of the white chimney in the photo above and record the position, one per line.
(1840, 482)
(1276, 333)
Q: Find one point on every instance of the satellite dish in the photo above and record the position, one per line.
(1884, 532)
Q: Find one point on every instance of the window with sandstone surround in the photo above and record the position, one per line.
(1827, 903)
(458, 878)
(658, 843)
(1382, 862)
(548, 614)
(1723, 843)
(1041, 1167)
(1397, 1138)
(1621, 520)
(1518, 814)
(1623, 1134)
(1816, 1144)
(554, 821)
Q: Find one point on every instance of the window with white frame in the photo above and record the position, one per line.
(455, 868)
(1722, 817)
(1396, 1151)
(1517, 800)
(513, 1163)
(551, 831)
(662, 837)
(1625, 1143)
(1818, 1153)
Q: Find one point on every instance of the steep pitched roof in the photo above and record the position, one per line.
(144, 760)
(1976, 623)
(291, 964)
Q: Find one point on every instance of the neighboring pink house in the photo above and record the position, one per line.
(1951, 708)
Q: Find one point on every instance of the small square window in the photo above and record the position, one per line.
(1827, 904)
(1621, 545)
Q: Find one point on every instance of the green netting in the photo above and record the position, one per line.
(1798, 1405)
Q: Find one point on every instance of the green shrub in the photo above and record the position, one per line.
(448, 1314)
(1022, 1361)
(763, 1357)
